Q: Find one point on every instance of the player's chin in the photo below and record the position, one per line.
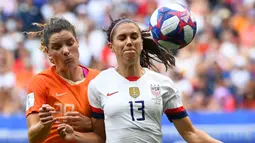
(130, 56)
(70, 64)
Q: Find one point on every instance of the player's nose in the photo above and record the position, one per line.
(129, 41)
(65, 50)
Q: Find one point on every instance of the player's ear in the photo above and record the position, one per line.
(46, 51)
(50, 57)
(51, 60)
(110, 46)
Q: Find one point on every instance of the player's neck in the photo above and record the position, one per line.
(73, 74)
(127, 71)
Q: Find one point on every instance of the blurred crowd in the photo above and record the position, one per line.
(215, 72)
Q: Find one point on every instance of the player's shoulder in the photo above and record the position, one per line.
(157, 76)
(43, 75)
(105, 76)
(163, 80)
(41, 79)
(93, 72)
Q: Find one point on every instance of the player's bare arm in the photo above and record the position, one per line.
(78, 121)
(68, 133)
(99, 128)
(190, 133)
(39, 124)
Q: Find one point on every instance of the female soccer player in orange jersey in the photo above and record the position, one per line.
(130, 99)
(59, 93)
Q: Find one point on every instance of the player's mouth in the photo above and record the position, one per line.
(69, 60)
(129, 50)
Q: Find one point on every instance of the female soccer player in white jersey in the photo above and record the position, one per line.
(128, 101)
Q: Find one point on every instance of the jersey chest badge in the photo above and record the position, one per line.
(155, 90)
(134, 91)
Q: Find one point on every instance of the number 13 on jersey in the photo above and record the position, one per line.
(140, 108)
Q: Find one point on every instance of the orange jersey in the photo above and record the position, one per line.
(48, 87)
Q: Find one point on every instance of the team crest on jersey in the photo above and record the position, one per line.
(155, 89)
(134, 91)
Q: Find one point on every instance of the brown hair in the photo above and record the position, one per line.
(55, 25)
(151, 50)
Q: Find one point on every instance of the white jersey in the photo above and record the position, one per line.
(133, 107)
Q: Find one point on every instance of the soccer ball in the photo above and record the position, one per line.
(172, 26)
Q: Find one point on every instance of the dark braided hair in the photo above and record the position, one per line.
(151, 50)
(55, 25)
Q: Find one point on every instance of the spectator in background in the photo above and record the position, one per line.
(29, 13)
(61, 10)
(247, 35)
(10, 102)
(7, 77)
(8, 8)
(223, 96)
(22, 67)
(249, 96)
(12, 36)
(38, 59)
(240, 75)
(240, 20)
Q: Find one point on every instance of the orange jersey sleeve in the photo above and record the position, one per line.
(36, 95)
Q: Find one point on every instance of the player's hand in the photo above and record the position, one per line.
(46, 114)
(78, 121)
(66, 132)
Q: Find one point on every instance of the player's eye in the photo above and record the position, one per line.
(134, 36)
(121, 37)
(70, 42)
(55, 47)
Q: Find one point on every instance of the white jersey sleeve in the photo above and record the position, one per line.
(95, 101)
(172, 102)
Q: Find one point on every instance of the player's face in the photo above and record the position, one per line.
(127, 43)
(63, 49)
